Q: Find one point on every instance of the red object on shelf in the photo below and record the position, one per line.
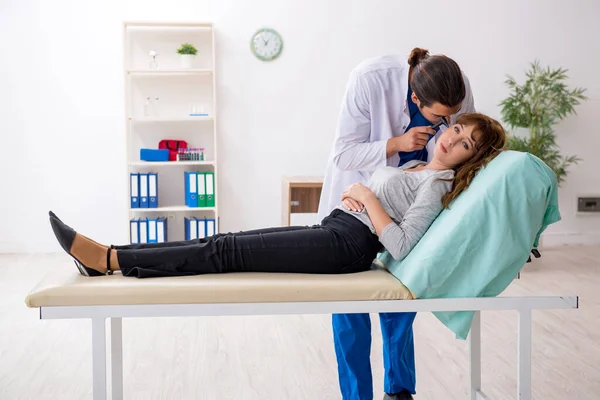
(173, 146)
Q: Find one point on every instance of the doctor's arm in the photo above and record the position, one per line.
(353, 150)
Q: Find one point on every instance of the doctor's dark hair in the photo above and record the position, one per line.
(435, 79)
(489, 137)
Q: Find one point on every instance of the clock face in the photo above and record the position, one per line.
(266, 44)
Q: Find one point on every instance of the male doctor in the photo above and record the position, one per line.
(387, 114)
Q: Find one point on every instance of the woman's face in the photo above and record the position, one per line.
(455, 145)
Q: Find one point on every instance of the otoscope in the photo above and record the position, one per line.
(442, 121)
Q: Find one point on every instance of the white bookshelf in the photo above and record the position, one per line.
(169, 163)
(168, 25)
(177, 89)
(173, 209)
(142, 119)
(192, 71)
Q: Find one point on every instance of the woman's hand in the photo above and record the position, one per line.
(361, 194)
(357, 192)
(353, 205)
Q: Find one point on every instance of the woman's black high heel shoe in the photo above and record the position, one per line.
(85, 271)
(52, 215)
(65, 236)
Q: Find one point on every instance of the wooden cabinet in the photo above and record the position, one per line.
(300, 195)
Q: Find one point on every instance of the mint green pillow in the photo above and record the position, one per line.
(477, 247)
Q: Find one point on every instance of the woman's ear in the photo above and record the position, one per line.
(415, 99)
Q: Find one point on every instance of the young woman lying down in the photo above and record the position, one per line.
(393, 211)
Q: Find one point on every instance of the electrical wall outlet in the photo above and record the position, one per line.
(588, 204)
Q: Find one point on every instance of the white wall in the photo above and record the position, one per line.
(61, 102)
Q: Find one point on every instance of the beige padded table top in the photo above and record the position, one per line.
(68, 288)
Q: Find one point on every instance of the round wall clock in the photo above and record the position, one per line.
(266, 44)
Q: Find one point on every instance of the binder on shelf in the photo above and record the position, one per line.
(134, 190)
(134, 231)
(143, 230)
(191, 192)
(152, 232)
(144, 191)
(201, 189)
(194, 228)
(210, 189)
(201, 228)
(191, 228)
(161, 230)
(211, 228)
(152, 190)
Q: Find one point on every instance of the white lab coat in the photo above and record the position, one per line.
(374, 109)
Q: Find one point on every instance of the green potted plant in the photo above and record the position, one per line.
(188, 53)
(538, 105)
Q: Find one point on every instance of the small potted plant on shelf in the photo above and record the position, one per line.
(188, 53)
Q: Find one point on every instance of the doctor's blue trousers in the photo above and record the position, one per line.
(352, 339)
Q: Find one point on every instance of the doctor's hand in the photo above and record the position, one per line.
(357, 192)
(414, 139)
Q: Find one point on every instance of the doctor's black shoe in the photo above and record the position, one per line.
(398, 396)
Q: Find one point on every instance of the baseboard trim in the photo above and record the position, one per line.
(28, 248)
(556, 239)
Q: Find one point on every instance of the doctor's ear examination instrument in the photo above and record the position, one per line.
(442, 121)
